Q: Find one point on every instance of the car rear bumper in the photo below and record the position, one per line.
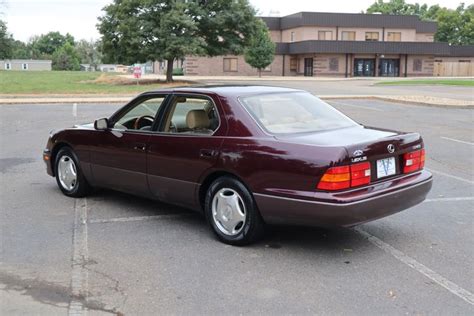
(347, 208)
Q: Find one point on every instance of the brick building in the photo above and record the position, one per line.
(346, 45)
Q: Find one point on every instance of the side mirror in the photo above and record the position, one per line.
(101, 124)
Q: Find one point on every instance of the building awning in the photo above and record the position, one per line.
(362, 47)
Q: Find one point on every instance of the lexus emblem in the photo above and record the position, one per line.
(358, 153)
(391, 148)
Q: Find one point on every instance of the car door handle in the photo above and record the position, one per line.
(207, 153)
(140, 146)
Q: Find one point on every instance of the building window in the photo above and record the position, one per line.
(334, 64)
(325, 35)
(394, 36)
(230, 64)
(24, 66)
(8, 66)
(292, 36)
(417, 65)
(372, 36)
(348, 36)
(293, 64)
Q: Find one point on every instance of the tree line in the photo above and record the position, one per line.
(455, 26)
(166, 30)
(63, 50)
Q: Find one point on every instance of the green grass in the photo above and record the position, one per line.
(447, 82)
(69, 82)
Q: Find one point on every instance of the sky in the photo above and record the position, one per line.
(79, 17)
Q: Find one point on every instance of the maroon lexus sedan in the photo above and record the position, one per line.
(245, 156)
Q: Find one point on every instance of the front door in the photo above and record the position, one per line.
(186, 145)
(308, 67)
(118, 160)
(364, 67)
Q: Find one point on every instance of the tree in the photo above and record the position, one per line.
(20, 50)
(142, 30)
(6, 42)
(88, 52)
(66, 58)
(261, 50)
(454, 26)
(395, 7)
(47, 44)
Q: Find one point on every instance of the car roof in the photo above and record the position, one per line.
(234, 90)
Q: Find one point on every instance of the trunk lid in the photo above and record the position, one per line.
(362, 144)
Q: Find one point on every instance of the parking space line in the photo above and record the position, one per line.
(355, 106)
(458, 141)
(80, 256)
(454, 199)
(450, 176)
(136, 218)
(409, 261)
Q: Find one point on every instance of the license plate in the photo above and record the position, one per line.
(386, 167)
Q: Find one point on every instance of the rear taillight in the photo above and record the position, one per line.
(338, 178)
(413, 161)
(360, 174)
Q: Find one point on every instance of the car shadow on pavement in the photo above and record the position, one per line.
(329, 241)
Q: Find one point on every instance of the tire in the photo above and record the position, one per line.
(65, 165)
(232, 212)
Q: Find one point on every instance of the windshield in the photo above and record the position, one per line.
(294, 112)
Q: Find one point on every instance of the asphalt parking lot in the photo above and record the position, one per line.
(115, 253)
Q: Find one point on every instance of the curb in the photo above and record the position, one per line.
(399, 101)
(124, 99)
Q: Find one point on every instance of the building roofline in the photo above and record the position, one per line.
(333, 19)
(28, 60)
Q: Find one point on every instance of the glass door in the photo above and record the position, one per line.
(364, 67)
(308, 67)
(389, 68)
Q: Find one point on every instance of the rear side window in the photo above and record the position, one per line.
(191, 115)
(294, 112)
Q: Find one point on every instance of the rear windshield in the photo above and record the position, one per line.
(294, 112)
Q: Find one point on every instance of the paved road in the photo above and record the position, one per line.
(128, 255)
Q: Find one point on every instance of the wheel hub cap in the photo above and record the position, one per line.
(67, 173)
(228, 211)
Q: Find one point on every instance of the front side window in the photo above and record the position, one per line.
(325, 35)
(293, 64)
(294, 112)
(191, 116)
(140, 116)
(394, 36)
(334, 64)
(372, 36)
(230, 64)
(417, 65)
(348, 36)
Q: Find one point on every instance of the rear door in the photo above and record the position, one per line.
(184, 147)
